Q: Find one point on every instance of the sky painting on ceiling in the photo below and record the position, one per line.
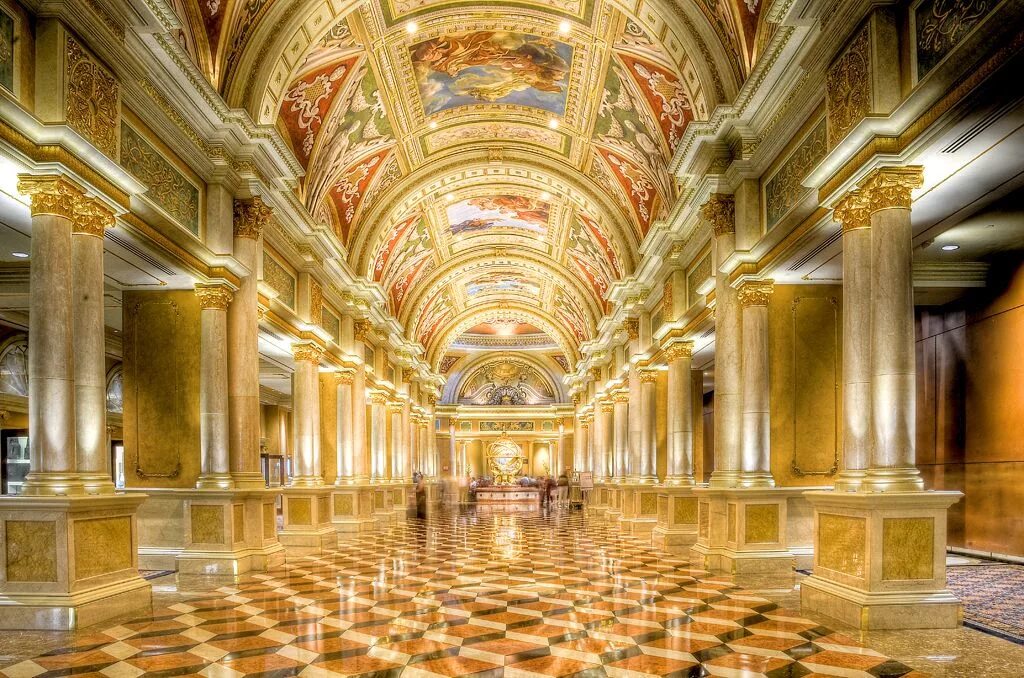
(485, 213)
(492, 67)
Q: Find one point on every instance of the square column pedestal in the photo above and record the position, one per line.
(880, 560)
(676, 529)
(742, 531)
(613, 498)
(383, 506)
(597, 502)
(401, 496)
(229, 532)
(308, 530)
(352, 509)
(639, 508)
(68, 562)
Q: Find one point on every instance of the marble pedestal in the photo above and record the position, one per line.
(69, 562)
(229, 532)
(401, 495)
(597, 503)
(639, 508)
(308, 529)
(676, 529)
(614, 502)
(742, 531)
(880, 560)
(352, 509)
(383, 506)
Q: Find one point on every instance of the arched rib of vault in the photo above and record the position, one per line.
(467, 168)
(289, 28)
(459, 378)
(537, 317)
(472, 262)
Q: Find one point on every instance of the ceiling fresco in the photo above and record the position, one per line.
(481, 157)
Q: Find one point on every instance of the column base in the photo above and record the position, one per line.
(892, 480)
(880, 560)
(69, 562)
(743, 531)
(352, 509)
(308, 530)
(676, 529)
(230, 532)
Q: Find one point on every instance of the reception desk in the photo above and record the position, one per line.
(511, 494)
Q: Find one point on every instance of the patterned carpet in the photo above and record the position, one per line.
(524, 596)
(993, 597)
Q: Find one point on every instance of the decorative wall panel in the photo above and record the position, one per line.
(167, 187)
(939, 26)
(278, 277)
(784, 189)
(103, 545)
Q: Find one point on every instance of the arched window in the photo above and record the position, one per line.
(14, 366)
(115, 390)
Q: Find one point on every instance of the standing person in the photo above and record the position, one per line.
(563, 489)
(421, 498)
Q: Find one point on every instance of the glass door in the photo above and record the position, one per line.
(15, 454)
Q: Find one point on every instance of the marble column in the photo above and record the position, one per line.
(346, 416)
(634, 412)
(719, 211)
(378, 436)
(577, 440)
(648, 443)
(852, 212)
(215, 469)
(361, 464)
(621, 435)
(755, 463)
(680, 414)
(51, 371)
(398, 451)
(92, 449)
(605, 434)
(452, 471)
(893, 361)
(306, 410)
(250, 216)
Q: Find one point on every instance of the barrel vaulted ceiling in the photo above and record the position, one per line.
(483, 162)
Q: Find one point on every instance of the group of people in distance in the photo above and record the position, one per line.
(553, 491)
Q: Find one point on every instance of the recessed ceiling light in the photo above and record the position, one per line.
(448, 197)
(564, 27)
(20, 255)
(950, 248)
(411, 27)
(553, 123)
(545, 196)
(433, 124)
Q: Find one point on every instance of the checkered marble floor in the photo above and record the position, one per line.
(468, 595)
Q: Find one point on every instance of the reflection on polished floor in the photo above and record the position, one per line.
(515, 595)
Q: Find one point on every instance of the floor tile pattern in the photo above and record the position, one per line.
(993, 596)
(524, 596)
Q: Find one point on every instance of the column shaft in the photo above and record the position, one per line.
(648, 427)
(213, 387)
(378, 437)
(756, 458)
(680, 415)
(360, 451)
(345, 443)
(621, 436)
(306, 411)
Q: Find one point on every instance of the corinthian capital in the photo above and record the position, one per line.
(852, 211)
(682, 349)
(890, 187)
(755, 293)
(720, 212)
(250, 217)
(51, 194)
(213, 296)
(92, 217)
(307, 353)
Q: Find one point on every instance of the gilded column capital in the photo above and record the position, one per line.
(307, 352)
(51, 194)
(362, 329)
(720, 212)
(631, 326)
(890, 187)
(431, 400)
(852, 211)
(378, 398)
(681, 349)
(608, 406)
(595, 373)
(621, 397)
(648, 376)
(755, 292)
(344, 377)
(576, 398)
(92, 217)
(213, 296)
(396, 406)
(250, 217)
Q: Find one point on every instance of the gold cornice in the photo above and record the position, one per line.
(215, 296)
(755, 292)
(890, 187)
(54, 154)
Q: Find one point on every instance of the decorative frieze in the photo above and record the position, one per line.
(848, 86)
(166, 186)
(785, 188)
(316, 302)
(939, 26)
(278, 277)
(92, 99)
